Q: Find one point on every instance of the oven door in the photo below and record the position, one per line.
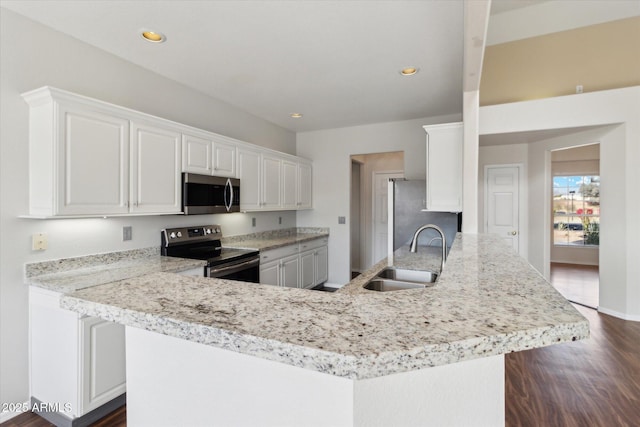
(245, 270)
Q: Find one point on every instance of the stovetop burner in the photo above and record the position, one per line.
(201, 242)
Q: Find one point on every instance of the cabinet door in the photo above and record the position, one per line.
(307, 269)
(304, 186)
(93, 162)
(196, 155)
(224, 159)
(444, 167)
(249, 166)
(289, 271)
(289, 185)
(155, 169)
(270, 273)
(271, 181)
(103, 362)
(322, 265)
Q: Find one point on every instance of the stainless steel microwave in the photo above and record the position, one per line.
(204, 194)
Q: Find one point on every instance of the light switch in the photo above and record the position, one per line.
(342, 220)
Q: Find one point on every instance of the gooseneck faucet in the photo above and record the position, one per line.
(414, 242)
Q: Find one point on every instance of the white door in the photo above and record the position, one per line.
(307, 269)
(249, 173)
(224, 159)
(155, 169)
(289, 184)
(94, 160)
(270, 273)
(196, 155)
(290, 271)
(322, 265)
(501, 201)
(271, 179)
(380, 213)
(304, 198)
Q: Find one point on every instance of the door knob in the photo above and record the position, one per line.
(513, 233)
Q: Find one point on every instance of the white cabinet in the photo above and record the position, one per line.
(314, 263)
(197, 155)
(103, 361)
(224, 158)
(74, 359)
(208, 154)
(155, 169)
(303, 265)
(444, 167)
(249, 172)
(271, 182)
(289, 185)
(90, 158)
(280, 266)
(304, 190)
(78, 157)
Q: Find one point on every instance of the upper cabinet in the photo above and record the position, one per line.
(155, 179)
(209, 154)
(89, 158)
(92, 158)
(444, 167)
(271, 181)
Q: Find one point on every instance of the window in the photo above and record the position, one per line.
(576, 210)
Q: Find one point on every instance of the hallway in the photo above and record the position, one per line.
(577, 283)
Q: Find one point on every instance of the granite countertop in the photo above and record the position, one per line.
(72, 274)
(488, 301)
(267, 240)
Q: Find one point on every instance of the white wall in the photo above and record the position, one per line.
(619, 171)
(32, 56)
(331, 152)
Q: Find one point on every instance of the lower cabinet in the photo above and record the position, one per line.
(77, 360)
(296, 266)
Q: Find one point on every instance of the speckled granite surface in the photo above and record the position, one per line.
(488, 301)
(71, 274)
(266, 240)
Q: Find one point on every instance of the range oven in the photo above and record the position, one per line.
(203, 242)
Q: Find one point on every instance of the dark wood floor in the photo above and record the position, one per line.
(577, 283)
(594, 382)
(589, 383)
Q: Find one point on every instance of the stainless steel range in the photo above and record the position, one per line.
(203, 242)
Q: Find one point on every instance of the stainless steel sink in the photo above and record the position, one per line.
(386, 285)
(417, 276)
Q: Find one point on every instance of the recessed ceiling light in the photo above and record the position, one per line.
(409, 71)
(296, 115)
(153, 37)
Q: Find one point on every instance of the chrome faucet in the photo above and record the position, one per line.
(414, 242)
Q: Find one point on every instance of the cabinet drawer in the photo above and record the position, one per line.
(312, 244)
(267, 256)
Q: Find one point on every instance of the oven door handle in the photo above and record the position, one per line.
(234, 267)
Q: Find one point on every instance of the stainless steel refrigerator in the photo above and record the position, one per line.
(406, 215)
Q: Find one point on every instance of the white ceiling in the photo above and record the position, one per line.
(337, 62)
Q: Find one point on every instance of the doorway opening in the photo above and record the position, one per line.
(368, 213)
(575, 233)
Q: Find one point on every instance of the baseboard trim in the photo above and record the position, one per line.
(623, 316)
(62, 420)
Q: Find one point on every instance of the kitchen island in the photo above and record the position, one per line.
(206, 351)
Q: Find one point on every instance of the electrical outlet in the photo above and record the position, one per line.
(279, 220)
(342, 220)
(127, 233)
(253, 222)
(39, 242)
(579, 89)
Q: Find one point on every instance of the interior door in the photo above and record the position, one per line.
(380, 213)
(502, 201)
